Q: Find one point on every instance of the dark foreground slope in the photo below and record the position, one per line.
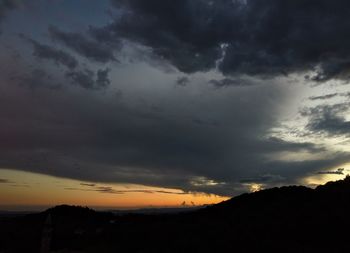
(287, 219)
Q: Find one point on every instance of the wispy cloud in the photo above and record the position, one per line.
(339, 171)
(87, 184)
(4, 181)
(324, 97)
(109, 189)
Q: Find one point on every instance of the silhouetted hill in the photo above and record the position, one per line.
(286, 219)
(339, 187)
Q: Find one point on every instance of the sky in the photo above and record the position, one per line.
(132, 103)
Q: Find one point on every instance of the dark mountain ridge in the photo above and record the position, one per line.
(286, 219)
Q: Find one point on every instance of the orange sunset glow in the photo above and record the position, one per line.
(23, 189)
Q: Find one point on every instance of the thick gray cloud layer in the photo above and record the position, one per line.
(86, 137)
(194, 138)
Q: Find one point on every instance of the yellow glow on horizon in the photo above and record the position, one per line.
(255, 187)
(315, 180)
(19, 188)
(319, 179)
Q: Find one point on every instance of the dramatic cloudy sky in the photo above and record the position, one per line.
(202, 96)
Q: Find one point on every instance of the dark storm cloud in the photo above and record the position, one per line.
(46, 52)
(328, 119)
(228, 82)
(87, 79)
(324, 97)
(253, 37)
(82, 45)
